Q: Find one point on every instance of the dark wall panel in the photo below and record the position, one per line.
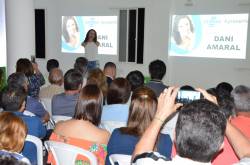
(123, 36)
(40, 33)
(140, 35)
(132, 36)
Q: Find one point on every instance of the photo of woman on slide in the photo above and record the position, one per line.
(91, 48)
(70, 31)
(183, 32)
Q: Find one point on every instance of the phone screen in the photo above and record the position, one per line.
(187, 96)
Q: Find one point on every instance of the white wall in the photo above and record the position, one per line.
(201, 72)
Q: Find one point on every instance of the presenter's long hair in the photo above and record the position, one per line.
(176, 33)
(64, 27)
(87, 36)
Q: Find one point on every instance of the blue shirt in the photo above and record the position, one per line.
(115, 112)
(36, 107)
(35, 128)
(35, 82)
(120, 143)
(64, 105)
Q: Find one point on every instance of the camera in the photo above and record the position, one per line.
(185, 96)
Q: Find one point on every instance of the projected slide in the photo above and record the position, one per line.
(215, 36)
(3, 55)
(74, 29)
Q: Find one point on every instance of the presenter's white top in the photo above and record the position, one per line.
(91, 51)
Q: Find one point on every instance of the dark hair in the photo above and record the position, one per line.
(89, 105)
(212, 91)
(119, 91)
(72, 80)
(136, 79)
(241, 96)
(10, 160)
(51, 64)
(226, 103)
(17, 82)
(176, 33)
(13, 100)
(81, 64)
(200, 130)
(87, 36)
(109, 65)
(157, 69)
(187, 88)
(25, 66)
(141, 111)
(224, 87)
(64, 28)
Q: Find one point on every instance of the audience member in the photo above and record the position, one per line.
(13, 133)
(83, 130)
(157, 70)
(10, 160)
(117, 109)
(52, 64)
(35, 77)
(225, 87)
(241, 96)
(141, 112)
(110, 72)
(64, 103)
(55, 87)
(81, 64)
(136, 79)
(14, 101)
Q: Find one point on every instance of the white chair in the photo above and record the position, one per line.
(120, 159)
(28, 113)
(65, 154)
(39, 147)
(47, 104)
(111, 125)
(58, 118)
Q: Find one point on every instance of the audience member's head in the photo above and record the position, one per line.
(187, 88)
(224, 87)
(241, 96)
(10, 160)
(89, 105)
(13, 132)
(72, 80)
(119, 91)
(96, 76)
(56, 76)
(136, 79)
(25, 66)
(200, 130)
(141, 111)
(157, 69)
(52, 64)
(212, 91)
(81, 64)
(17, 82)
(14, 101)
(110, 69)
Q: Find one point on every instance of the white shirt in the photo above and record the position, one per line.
(91, 51)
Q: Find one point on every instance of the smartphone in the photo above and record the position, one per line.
(33, 59)
(185, 96)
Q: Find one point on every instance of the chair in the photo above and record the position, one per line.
(111, 125)
(47, 104)
(65, 154)
(120, 159)
(39, 147)
(58, 118)
(28, 113)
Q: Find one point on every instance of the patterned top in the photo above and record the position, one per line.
(35, 82)
(99, 150)
(15, 155)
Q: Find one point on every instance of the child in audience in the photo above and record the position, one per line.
(13, 133)
(141, 113)
(82, 130)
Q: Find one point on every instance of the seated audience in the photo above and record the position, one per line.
(52, 64)
(13, 133)
(15, 102)
(225, 87)
(117, 109)
(110, 72)
(141, 112)
(136, 79)
(35, 77)
(82, 130)
(81, 64)
(200, 117)
(96, 76)
(17, 82)
(157, 70)
(64, 103)
(55, 87)
(241, 96)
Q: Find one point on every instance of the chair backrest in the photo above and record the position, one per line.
(28, 113)
(111, 125)
(65, 154)
(47, 104)
(120, 159)
(39, 147)
(58, 118)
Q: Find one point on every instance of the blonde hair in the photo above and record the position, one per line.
(13, 132)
